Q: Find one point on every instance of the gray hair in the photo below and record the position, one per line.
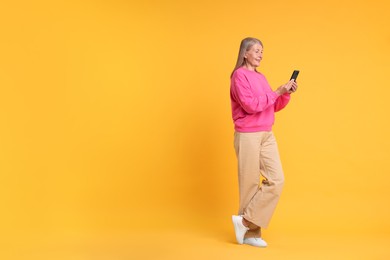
(245, 46)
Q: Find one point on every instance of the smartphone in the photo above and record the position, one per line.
(294, 75)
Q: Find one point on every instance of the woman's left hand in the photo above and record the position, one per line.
(293, 88)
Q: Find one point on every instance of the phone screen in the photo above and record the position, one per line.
(294, 75)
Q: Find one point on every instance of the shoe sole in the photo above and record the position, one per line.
(255, 245)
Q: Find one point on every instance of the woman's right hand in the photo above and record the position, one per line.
(283, 89)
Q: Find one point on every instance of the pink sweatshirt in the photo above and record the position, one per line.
(253, 101)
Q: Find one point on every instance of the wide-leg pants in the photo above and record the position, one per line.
(260, 177)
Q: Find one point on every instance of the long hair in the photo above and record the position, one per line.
(245, 46)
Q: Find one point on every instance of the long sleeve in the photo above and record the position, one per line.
(281, 102)
(248, 101)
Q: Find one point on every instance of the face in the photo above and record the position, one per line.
(253, 56)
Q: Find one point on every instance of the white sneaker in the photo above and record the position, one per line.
(239, 228)
(255, 241)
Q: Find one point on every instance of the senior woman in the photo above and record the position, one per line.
(253, 105)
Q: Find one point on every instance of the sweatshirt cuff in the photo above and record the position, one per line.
(275, 95)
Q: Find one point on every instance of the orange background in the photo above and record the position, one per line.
(115, 123)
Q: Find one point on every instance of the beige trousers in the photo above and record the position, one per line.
(258, 159)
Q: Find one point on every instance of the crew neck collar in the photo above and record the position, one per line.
(255, 71)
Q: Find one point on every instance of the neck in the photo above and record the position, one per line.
(249, 67)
